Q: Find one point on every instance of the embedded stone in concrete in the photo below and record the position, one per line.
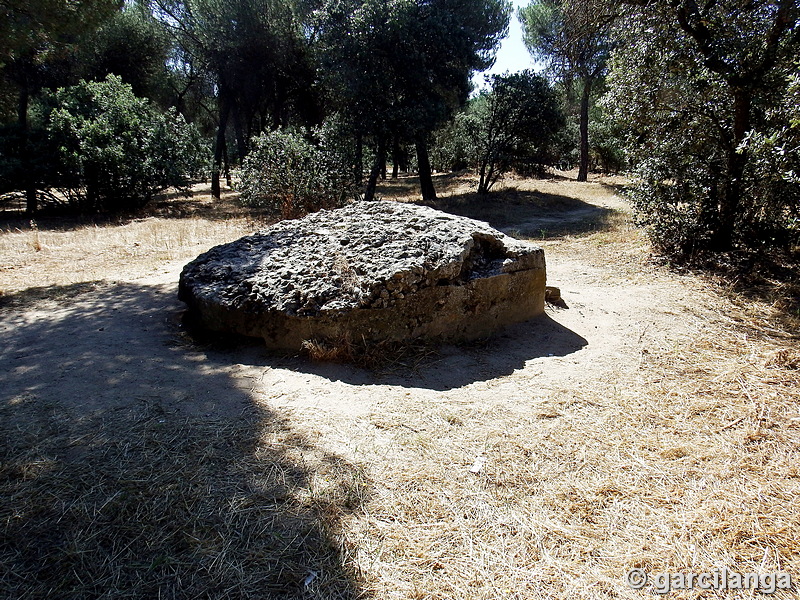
(371, 271)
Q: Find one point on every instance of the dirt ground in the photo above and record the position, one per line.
(651, 424)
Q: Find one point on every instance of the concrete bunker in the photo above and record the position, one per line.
(372, 271)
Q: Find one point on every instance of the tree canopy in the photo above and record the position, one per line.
(37, 43)
(695, 84)
(510, 125)
(401, 68)
(254, 53)
(699, 99)
(574, 38)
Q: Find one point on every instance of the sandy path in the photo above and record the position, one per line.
(597, 341)
(121, 345)
(114, 343)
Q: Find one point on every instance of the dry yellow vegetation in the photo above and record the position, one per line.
(652, 424)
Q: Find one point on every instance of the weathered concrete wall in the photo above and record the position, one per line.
(377, 271)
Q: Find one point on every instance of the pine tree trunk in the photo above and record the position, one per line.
(358, 167)
(483, 187)
(241, 138)
(395, 158)
(226, 165)
(380, 161)
(425, 175)
(31, 197)
(730, 198)
(583, 166)
(219, 148)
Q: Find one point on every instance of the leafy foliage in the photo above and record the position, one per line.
(116, 151)
(607, 143)
(511, 126)
(291, 176)
(774, 170)
(701, 120)
(37, 49)
(452, 146)
(133, 45)
(401, 68)
(573, 37)
(254, 52)
(36, 31)
(255, 56)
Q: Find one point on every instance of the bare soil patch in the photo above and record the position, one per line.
(653, 423)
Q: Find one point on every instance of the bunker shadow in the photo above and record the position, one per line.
(447, 367)
(134, 465)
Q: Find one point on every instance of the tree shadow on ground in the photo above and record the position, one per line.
(769, 277)
(447, 367)
(617, 188)
(530, 214)
(132, 466)
(169, 205)
(44, 221)
(406, 187)
(201, 204)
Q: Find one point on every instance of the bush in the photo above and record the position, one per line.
(714, 174)
(682, 170)
(511, 126)
(606, 150)
(668, 206)
(116, 151)
(451, 146)
(774, 172)
(291, 176)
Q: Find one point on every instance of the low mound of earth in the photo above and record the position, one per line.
(371, 271)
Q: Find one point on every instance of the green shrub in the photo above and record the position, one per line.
(716, 166)
(607, 144)
(451, 146)
(116, 151)
(774, 173)
(511, 127)
(291, 176)
(668, 206)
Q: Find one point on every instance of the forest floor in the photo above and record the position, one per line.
(651, 424)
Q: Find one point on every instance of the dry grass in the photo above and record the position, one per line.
(51, 253)
(146, 504)
(687, 464)
(683, 460)
(682, 456)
